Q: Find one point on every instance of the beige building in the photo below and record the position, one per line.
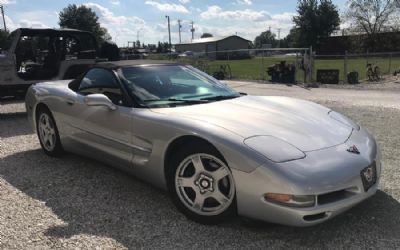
(211, 45)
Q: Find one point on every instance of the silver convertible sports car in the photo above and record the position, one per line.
(217, 152)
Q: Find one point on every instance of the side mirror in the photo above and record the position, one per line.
(99, 100)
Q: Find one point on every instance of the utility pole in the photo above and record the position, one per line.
(4, 20)
(279, 38)
(179, 26)
(192, 30)
(169, 33)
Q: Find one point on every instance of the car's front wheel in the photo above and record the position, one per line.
(48, 133)
(201, 185)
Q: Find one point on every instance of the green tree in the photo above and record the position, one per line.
(290, 41)
(315, 21)
(83, 18)
(205, 35)
(371, 16)
(266, 37)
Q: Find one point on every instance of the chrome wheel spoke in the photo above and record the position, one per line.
(47, 133)
(220, 197)
(220, 173)
(50, 140)
(46, 121)
(198, 164)
(198, 202)
(45, 138)
(185, 182)
(195, 184)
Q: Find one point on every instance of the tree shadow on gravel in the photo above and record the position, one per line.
(14, 124)
(95, 199)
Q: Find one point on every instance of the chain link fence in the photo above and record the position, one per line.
(254, 64)
(276, 64)
(387, 64)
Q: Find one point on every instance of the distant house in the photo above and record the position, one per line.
(211, 45)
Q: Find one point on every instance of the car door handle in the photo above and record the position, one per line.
(70, 102)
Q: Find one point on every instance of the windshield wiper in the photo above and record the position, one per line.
(219, 97)
(176, 100)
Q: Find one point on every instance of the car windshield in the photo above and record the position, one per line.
(173, 85)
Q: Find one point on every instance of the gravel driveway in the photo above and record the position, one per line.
(74, 202)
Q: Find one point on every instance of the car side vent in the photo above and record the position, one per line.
(334, 196)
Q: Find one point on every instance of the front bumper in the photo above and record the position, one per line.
(332, 174)
(252, 204)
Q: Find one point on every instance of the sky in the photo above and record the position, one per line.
(126, 20)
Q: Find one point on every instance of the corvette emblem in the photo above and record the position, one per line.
(353, 149)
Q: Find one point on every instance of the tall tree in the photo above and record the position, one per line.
(266, 37)
(291, 39)
(205, 35)
(315, 20)
(371, 16)
(83, 18)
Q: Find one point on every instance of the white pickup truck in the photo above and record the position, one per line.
(37, 55)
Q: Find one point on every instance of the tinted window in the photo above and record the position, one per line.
(98, 78)
(101, 81)
(155, 85)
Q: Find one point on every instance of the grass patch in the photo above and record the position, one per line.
(255, 68)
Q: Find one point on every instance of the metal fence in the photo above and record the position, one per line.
(386, 62)
(254, 64)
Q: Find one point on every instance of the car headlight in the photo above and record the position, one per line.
(275, 149)
(290, 200)
(343, 119)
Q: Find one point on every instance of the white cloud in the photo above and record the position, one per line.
(125, 28)
(10, 24)
(184, 1)
(282, 21)
(32, 19)
(109, 19)
(115, 2)
(167, 7)
(248, 2)
(214, 12)
(5, 2)
(25, 23)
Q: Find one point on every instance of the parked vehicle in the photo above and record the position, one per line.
(36, 55)
(218, 152)
(189, 54)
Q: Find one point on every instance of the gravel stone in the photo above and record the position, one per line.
(78, 203)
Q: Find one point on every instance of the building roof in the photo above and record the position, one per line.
(212, 39)
(131, 63)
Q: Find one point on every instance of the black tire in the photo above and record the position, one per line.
(55, 150)
(177, 159)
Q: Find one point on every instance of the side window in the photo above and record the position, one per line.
(102, 81)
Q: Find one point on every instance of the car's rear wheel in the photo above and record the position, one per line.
(201, 185)
(48, 133)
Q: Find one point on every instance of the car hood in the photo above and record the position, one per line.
(305, 125)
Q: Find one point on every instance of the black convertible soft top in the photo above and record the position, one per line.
(119, 64)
